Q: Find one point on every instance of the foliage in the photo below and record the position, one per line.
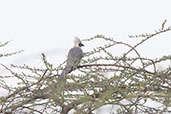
(100, 80)
(7, 54)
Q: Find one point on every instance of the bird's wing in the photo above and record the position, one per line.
(74, 56)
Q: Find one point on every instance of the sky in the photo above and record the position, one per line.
(49, 26)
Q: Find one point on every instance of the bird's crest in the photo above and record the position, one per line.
(77, 40)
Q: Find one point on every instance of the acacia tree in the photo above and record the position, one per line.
(101, 79)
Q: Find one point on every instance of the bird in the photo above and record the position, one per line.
(74, 56)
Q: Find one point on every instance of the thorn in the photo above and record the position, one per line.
(163, 24)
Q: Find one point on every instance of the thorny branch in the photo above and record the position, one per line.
(100, 80)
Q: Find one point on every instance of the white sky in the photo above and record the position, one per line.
(50, 26)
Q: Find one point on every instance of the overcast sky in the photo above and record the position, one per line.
(50, 26)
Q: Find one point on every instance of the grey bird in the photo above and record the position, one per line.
(74, 56)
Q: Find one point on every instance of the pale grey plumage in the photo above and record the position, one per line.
(74, 56)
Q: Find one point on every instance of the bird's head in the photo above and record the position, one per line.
(77, 42)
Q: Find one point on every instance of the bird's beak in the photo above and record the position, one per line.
(80, 44)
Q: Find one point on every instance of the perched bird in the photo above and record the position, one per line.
(74, 56)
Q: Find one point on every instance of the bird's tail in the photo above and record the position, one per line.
(64, 73)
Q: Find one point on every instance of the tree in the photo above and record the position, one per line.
(99, 81)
